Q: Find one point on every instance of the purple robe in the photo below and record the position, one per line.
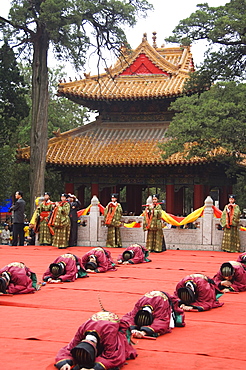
(103, 257)
(238, 280)
(242, 259)
(140, 254)
(205, 291)
(72, 266)
(162, 311)
(113, 349)
(20, 278)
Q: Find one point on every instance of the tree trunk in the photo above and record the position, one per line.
(39, 128)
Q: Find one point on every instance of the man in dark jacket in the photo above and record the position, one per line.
(18, 221)
(74, 207)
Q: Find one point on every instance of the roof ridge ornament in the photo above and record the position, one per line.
(154, 39)
(87, 75)
(144, 37)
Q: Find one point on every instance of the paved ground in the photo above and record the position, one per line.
(34, 326)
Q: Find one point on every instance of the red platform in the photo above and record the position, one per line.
(34, 326)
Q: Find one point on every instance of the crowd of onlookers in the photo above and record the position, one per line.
(6, 233)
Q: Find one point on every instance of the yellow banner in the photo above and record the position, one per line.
(133, 225)
(193, 216)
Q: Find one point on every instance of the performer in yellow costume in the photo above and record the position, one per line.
(229, 221)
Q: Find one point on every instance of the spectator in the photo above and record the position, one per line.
(18, 220)
(5, 235)
(74, 207)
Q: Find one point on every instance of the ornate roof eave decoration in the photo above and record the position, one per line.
(152, 53)
(115, 84)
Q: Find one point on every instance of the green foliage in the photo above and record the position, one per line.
(14, 176)
(14, 109)
(240, 190)
(69, 23)
(63, 114)
(198, 82)
(13, 105)
(54, 183)
(209, 121)
(224, 29)
(6, 163)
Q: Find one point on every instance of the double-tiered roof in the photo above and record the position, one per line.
(144, 76)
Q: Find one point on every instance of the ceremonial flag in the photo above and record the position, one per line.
(133, 225)
(83, 212)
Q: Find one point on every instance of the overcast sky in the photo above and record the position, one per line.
(163, 19)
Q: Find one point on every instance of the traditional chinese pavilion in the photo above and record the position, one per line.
(119, 151)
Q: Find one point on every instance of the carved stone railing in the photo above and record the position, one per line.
(206, 234)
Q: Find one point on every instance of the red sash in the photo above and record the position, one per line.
(44, 214)
(51, 222)
(110, 214)
(229, 215)
(148, 217)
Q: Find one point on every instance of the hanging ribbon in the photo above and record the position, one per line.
(167, 217)
(179, 221)
(83, 212)
(133, 225)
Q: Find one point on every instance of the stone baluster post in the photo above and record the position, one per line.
(207, 222)
(94, 217)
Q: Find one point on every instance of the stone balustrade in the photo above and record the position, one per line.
(206, 234)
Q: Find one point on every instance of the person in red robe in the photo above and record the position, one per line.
(100, 343)
(242, 259)
(66, 267)
(133, 254)
(197, 292)
(16, 278)
(98, 260)
(154, 314)
(231, 277)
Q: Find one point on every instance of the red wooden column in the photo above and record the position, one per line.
(81, 195)
(129, 199)
(206, 191)
(69, 188)
(223, 196)
(105, 196)
(170, 199)
(94, 190)
(179, 202)
(134, 199)
(198, 197)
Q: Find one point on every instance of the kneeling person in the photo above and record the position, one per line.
(16, 278)
(100, 343)
(156, 313)
(242, 259)
(197, 292)
(231, 277)
(66, 267)
(133, 254)
(98, 260)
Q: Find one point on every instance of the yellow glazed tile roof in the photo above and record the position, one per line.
(95, 146)
(119, 83)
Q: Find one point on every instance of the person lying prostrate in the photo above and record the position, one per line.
(197, 292)
(231, 277)
(99, 344)
(66, 267)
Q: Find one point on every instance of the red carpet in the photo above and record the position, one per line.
(34, 326)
